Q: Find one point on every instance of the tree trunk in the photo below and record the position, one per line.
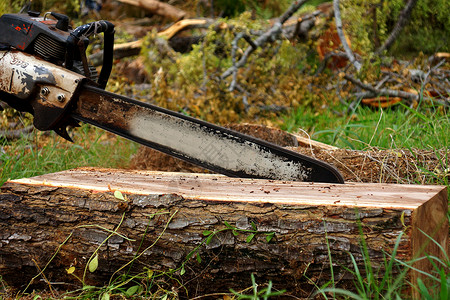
(210, 230)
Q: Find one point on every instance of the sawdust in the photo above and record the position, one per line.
(375, 165)
(149, 159)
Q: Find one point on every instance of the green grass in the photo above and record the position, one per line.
(365, 127)
(391, 281)
(40, 154)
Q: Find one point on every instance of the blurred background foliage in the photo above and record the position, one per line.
(366, 21)
(282, 75)
(369, 22)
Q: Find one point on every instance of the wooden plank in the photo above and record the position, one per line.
(306, 219)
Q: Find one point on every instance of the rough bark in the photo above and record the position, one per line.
(71, 211)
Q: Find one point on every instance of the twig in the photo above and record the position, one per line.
(348, 51)
(44, 277)
(268, 36)
(382, 81)
(401, 22)
(338, 93)
(302, 26)
(234, 47)
(245, 97)
(375, 92)
(426, 78)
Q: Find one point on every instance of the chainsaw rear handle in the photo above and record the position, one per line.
(77, 39)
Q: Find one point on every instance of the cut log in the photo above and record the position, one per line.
(158, 8)
(280, 231)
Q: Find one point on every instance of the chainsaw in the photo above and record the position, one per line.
(44, 71)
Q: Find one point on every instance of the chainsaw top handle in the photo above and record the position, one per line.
(77, 39)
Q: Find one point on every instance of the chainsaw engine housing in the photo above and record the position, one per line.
(51, 38)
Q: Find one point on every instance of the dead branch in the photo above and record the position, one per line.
(401, 22)
(268, 36)
(301, 26)
(158, 8)
(234, 48)
(348, 51)
(373, 92)
(184, 24)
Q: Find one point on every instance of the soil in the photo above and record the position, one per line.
(374, 165)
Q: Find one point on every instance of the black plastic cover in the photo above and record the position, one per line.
(20, 31)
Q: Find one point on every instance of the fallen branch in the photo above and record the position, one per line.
(133, 48)
(184, 24)
(120, 51)
(373, 92)
(301, 26)
(270, 35)
(348, 51)
(234, 48)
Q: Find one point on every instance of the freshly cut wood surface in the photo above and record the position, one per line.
(166, 216)
(222, 188)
